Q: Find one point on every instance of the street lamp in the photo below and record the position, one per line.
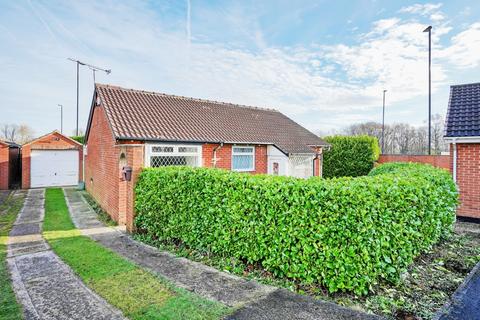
(429, 30)
(61, 118)
(383, 123)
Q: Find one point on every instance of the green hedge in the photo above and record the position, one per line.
(350, 156)
(80, 139)
(345, 233)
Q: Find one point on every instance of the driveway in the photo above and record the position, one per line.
(45, 286)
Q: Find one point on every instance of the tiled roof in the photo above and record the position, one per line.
(141, 115)
(463, 117)
(9, 143)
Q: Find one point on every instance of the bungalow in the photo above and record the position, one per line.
(131, 129)
(463, 134)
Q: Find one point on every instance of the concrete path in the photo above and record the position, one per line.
(45, 286)
(253, 300)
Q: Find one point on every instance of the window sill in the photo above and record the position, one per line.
(244, 170)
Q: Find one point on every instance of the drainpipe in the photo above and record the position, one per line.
(214, 160)
(455, 160)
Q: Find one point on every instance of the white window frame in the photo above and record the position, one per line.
(150, 153)
(243, 154)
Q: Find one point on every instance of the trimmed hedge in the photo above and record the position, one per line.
(350, 156)
(345, 233)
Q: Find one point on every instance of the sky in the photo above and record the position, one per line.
(325, 64)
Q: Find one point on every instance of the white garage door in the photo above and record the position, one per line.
(53, 168)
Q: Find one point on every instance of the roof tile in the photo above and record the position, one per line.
(145, 115)
(463, 116)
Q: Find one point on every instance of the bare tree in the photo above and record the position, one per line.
(16, 133)
(403, 138)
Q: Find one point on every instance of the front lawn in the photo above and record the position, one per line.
(138, 293)
(9, 307)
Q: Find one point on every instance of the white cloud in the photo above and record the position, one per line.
(336, 83)
(464, 51)
(422, 9)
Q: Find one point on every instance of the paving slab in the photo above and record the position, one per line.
(284, 304)
(252, 299)
(195, 277)
(45, 286)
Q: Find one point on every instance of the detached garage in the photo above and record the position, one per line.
(51, 160)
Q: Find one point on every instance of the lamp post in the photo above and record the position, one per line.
(429, 30)
(61, 118)
(383, 123)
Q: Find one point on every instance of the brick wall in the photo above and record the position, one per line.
(51, 141)
(468, 179)
(135, 158)
(439, 161)
(102, 173)
(224, 157)
(4, 166)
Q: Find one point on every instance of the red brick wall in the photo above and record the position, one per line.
(224, 157)
(439, 161)
(468, 179)
(52, 141)
(135, 158)
(4, 167)
(102, 174)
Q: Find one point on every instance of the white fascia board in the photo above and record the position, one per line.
(474, 139)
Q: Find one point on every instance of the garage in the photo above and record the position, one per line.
(50, 161)
(54, 168)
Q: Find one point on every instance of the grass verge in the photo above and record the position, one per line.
(101, 214)
(138, 293)
(9, 307)
(425, 287)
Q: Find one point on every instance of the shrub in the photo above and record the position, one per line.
(344, 233)
(80, 139)
(350, 156)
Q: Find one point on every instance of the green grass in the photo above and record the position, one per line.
(9, 307)
(101, 214)
(138, 293)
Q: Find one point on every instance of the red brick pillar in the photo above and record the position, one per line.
(135, 159)
(468, 179)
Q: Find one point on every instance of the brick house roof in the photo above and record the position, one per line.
(151, 116)
(9, 144)
(463, 116)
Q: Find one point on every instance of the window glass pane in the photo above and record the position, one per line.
(242, 162)
(242, 150)
(162, 161)
(162, 149)
(187, 149)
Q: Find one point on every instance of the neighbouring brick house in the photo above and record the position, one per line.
(9, 164)
(463, 134)
(135, 129)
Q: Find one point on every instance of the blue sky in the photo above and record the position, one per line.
(323, 63)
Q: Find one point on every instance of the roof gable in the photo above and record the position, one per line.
(141, 115)
(55, 133)
(463, 116)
